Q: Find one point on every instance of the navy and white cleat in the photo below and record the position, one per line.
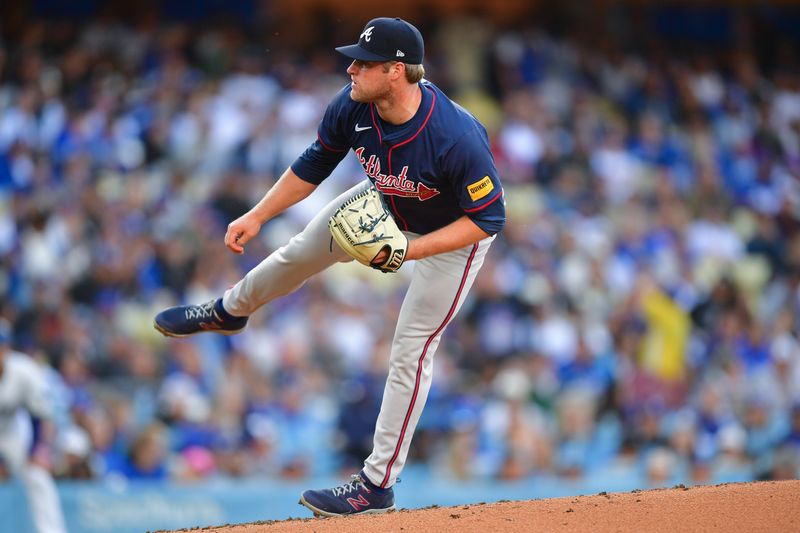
(357, 496)
(185, 320)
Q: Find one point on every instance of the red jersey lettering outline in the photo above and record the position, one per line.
(390, 184)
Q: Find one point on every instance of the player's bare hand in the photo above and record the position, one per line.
(381, 258)
(240, 231)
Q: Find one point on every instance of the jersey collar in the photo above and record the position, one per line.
(413, 127)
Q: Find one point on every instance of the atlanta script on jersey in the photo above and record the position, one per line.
(432, 170)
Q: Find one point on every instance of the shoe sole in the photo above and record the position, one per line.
(168, 333)
(319, 512)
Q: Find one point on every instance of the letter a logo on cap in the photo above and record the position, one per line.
(367, 34)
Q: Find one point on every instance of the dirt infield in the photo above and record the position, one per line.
(736, 507)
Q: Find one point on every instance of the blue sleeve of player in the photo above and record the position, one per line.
(471, 168)
(319, 159)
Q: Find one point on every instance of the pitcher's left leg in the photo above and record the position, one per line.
(438, 287)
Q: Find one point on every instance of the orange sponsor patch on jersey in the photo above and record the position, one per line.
(481, 188)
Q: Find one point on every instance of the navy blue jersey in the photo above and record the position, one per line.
(432, 170)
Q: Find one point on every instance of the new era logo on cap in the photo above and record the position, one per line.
(385, 39)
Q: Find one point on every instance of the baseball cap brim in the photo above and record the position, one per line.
(354, 51)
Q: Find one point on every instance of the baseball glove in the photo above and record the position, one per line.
(363, 228)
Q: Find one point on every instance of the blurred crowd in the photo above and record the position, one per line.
(638, 317)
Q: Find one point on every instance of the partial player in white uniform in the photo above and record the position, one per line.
(23, 398)
(431, 162)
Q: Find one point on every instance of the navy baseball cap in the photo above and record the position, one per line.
(387, 39)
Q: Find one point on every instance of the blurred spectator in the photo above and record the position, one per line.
(76, 449)
(660, 467)
(147, 455)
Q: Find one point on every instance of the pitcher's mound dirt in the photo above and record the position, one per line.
(735, 507)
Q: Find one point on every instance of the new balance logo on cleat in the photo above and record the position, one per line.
(358, 504)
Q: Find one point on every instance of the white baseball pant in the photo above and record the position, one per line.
(439, 285)
(40, 489)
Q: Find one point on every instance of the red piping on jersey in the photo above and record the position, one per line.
(380, 141)
(493, 200)
(424, 123)
(422, 358)
(375, 122)
(328, 147)
(389, 157)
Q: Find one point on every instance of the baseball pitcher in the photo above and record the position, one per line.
(432, 196)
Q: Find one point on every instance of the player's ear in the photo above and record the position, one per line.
(397, 70)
